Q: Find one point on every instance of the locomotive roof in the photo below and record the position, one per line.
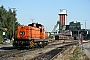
(37, 25)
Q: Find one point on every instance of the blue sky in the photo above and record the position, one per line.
(46, 11)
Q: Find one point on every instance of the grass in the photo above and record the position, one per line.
(76, 55)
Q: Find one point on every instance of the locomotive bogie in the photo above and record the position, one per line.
(29, 43)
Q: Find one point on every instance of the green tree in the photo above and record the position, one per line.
(7, 20)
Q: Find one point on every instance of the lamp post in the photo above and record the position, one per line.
(32, 20)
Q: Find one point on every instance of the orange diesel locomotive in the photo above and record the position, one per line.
(30, 36)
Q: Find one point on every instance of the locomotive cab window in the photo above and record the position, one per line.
(40, 30)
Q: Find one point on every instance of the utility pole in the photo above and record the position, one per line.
(85, 24)
(81, 41)
(85, 29)
(78, 34)
(13, 19)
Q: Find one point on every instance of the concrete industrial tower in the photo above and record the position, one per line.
(62, 20)
(63, 16)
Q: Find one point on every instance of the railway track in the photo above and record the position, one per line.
(4, 55)
(51, 55)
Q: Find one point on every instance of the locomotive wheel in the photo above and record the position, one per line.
(31, 44)
(42, 45)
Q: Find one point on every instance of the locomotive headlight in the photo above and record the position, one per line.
(21, 33)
